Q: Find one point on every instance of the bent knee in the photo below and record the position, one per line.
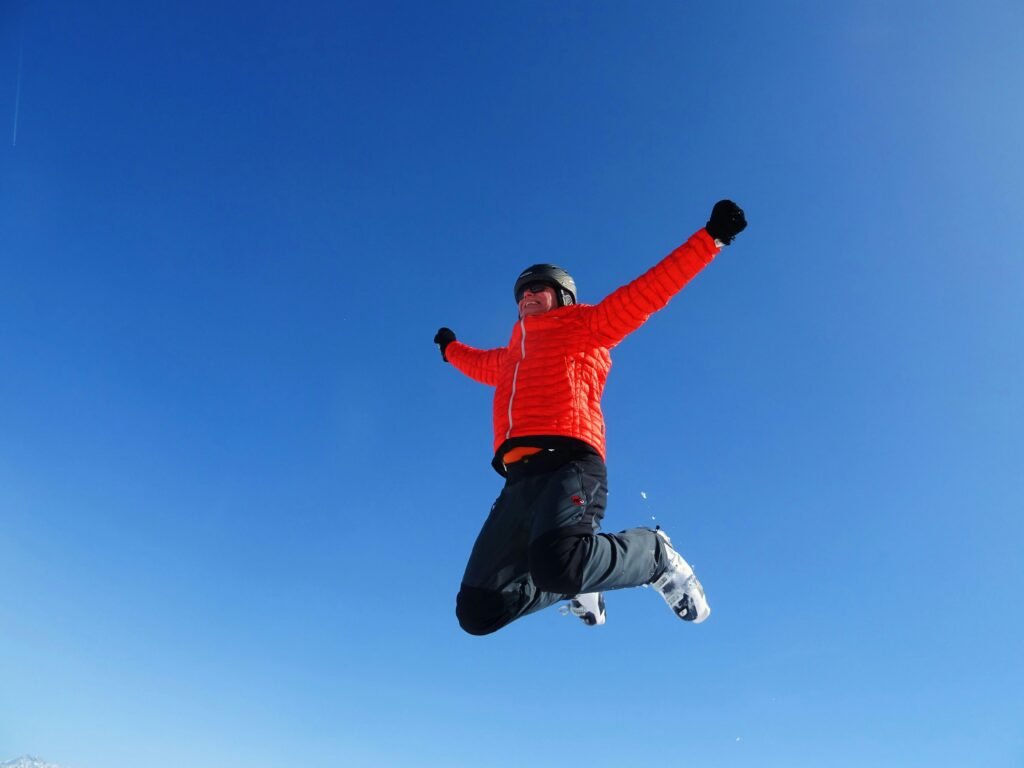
(482, 611)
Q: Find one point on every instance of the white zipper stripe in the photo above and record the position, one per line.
(515, 374)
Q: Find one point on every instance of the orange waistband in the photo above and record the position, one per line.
(514, 455)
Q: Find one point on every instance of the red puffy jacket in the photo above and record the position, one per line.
(550, 377)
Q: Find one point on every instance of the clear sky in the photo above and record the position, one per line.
(238, 486)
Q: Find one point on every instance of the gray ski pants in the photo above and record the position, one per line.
(540, 544)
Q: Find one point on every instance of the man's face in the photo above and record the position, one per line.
(537, 298)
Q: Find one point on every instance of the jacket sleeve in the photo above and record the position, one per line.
(481, 365)
(627, 308)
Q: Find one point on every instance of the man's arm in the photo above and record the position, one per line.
(481, 365)
(628, 307)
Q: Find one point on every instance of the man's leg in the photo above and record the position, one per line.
(567, 554)
(497, 587)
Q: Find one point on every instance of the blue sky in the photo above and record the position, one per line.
(238, 486)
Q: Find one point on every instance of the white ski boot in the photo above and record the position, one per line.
(589, 607)
(680, 587)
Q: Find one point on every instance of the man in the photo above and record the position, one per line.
(541, 542)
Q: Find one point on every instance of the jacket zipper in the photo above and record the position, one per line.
(515, 373)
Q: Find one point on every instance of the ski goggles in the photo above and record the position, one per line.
(535, 287)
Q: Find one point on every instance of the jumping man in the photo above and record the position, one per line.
(541, 542)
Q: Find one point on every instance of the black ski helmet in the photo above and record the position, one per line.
(556, 277)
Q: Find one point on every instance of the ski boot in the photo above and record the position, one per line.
(589, 607)
(679, 586)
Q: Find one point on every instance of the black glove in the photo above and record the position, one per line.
(726, 221)
(443, 338)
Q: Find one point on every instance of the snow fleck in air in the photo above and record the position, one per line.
(643, 495)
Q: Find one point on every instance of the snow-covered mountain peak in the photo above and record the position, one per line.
(27, 761)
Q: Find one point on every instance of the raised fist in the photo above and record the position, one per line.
(727, 221)
(443, 338)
